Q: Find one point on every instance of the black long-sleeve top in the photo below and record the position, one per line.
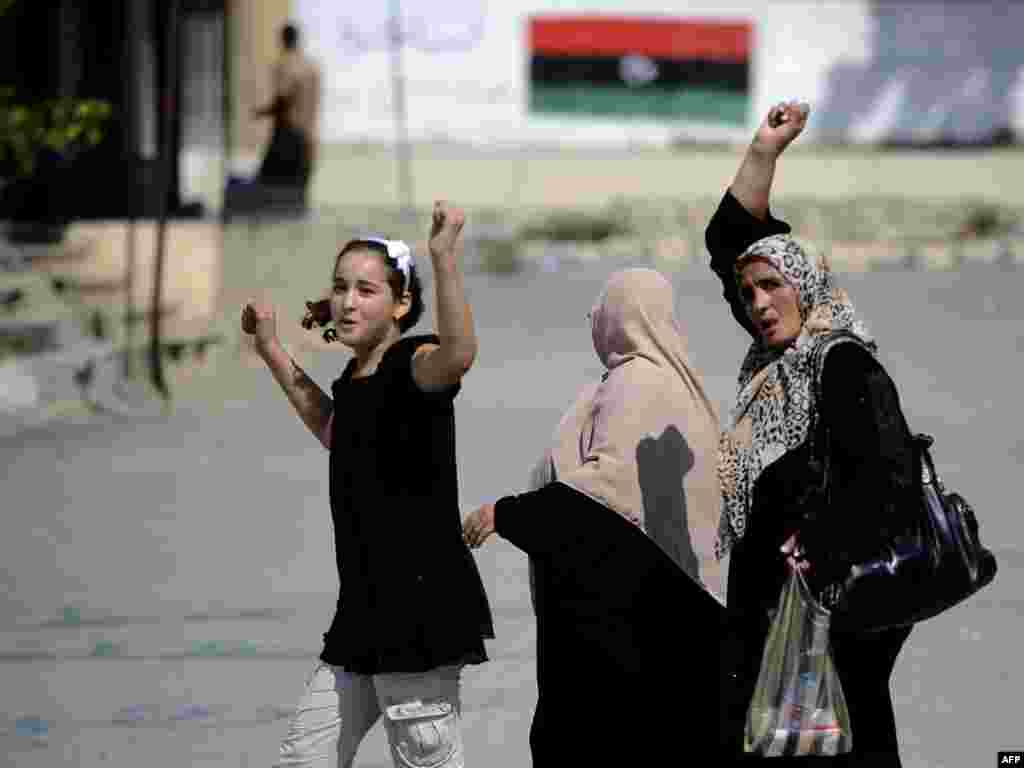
(624, 636)
(730, 232)
(872, 478)
(870, 447)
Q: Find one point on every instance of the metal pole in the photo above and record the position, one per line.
(130, 315)
(167, 111)
(227, 92)
(137, 25)
(402, 148)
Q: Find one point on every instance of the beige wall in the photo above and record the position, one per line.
(99, 253)
(255, 25)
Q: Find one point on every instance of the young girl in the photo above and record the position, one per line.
(412, 609)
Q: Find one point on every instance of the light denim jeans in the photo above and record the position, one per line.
(337, 709)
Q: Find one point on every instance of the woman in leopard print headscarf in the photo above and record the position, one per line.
(773, 519)
(772, 413)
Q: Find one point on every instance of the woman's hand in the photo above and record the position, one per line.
(478, 526)
(795, 555)
(783, 123)
(753, 183)
(260, 320)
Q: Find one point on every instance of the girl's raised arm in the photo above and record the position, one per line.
(436, 368)
(310, 402)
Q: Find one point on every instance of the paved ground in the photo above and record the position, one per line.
(166, 580)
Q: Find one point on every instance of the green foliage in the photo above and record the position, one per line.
(580, 226)
(499, 256)
(985, 220)
(63, 125)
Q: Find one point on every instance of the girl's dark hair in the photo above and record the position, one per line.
(319, 312)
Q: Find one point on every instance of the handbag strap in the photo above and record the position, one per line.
(829, 596)
(818, 435)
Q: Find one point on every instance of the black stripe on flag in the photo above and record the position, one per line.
(668, 73)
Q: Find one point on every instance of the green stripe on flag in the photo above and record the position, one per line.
(708, 104)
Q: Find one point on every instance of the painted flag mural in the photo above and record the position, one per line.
(647, 67)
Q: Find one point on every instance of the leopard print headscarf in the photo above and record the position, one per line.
(772, 413)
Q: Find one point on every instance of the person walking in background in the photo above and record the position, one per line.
(412, 610)
(620, 535)
(291, 154)
(772, 520)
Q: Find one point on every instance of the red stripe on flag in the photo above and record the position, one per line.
(617, 36)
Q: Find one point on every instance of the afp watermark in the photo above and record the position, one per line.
(1013, 757)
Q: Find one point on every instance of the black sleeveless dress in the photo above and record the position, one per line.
(411, 598)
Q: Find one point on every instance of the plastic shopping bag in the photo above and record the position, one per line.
(798, 706)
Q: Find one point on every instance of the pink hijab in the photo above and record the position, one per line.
(643, 441)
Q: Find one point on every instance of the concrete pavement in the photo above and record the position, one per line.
(166, 580)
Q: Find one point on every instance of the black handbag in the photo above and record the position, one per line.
(934, 563)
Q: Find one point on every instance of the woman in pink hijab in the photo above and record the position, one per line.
(620, 532)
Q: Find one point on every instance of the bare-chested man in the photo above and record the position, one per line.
(291, 154)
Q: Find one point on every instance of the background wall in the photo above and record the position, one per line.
(872, 64)
(870, 69)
